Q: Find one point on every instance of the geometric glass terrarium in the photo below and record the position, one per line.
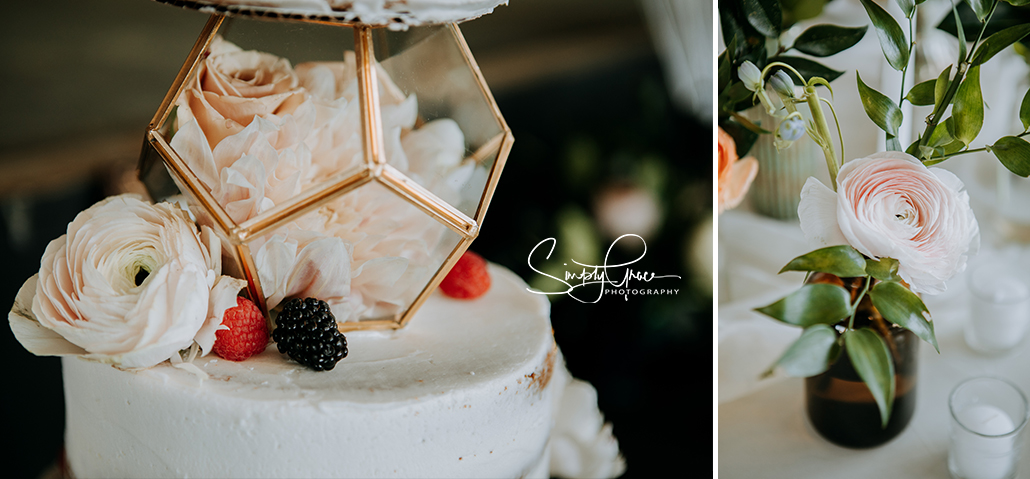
(333, 159)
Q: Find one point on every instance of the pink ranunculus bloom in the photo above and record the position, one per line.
(735, 175)
(890, 205)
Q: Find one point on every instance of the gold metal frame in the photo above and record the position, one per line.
(374, 169)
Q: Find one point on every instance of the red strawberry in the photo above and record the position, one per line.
(468, 279)
(247, 334)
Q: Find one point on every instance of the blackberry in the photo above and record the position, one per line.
(306, 331)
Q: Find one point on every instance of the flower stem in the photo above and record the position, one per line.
(911, 48)
(934, 161)
(854, 307)
(822, 129)
(938, 111)
(748, 124)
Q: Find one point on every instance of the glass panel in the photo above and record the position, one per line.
(439, 128)
(270, 113)
(158, 178)
(154, 174)
(367, 253)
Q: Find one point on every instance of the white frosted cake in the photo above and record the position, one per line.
(468, 389)
(150, 326)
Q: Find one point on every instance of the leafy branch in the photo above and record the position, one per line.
(840, 280)
(957, 89)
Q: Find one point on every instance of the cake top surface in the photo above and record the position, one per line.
(396, 14)
(449, 346)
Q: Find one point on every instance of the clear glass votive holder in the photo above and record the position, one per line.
(999, 307)
(987, 420)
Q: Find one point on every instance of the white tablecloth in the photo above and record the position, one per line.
(763, 429)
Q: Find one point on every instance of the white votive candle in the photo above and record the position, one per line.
(1000, 311)
(978, 452)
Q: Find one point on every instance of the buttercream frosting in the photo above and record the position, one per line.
(463, 391)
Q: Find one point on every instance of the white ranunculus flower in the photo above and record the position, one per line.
(131, 283)
(891, 206)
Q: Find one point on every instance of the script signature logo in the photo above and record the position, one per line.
(602, 275)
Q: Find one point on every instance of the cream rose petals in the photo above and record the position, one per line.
(131, 283)
(890, 205)
(365, 252)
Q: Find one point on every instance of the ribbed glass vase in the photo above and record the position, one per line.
(776, 190)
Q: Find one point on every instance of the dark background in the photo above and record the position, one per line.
(577, 81)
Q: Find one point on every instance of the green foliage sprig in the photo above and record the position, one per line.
(956, 95)
(826, 312)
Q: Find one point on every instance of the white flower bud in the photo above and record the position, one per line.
(750, 75)
(791, 129)
(782, 84)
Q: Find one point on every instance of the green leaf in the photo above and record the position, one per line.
(807, 68)
(960, 32)
(819, 303)
(882, 110)
(901, 306)
(884, 269)
(892, 39)
(1024, 111)
(871, 358)
(941, 86)
(913, 149)
(812, 353)
(743, 137)
(922, 94)
(968, 111)
(940, 135)
(980, 7)
(765, 16)
(1017, 3)
(998, 42)
(1014, 153)
(840, 260)
(735, 93)
(826, 40)
(797, 10)
(723, 71)
(908, 7)
(893, 144)
(943, 137)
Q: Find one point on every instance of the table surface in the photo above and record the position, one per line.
(763, 430)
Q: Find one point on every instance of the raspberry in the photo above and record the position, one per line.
(306, 331)
(468, 279)
(247, 334)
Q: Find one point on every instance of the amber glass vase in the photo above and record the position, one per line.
(839, 404)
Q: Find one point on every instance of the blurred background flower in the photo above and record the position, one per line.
(610, 105)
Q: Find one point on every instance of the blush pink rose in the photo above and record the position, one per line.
(735, 175)
(890, 205)
(233, 86)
